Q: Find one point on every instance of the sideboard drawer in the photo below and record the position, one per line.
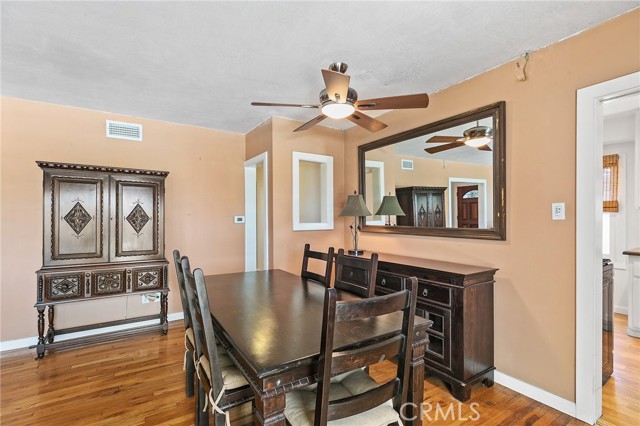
(147, 278)
(434, 293)
(64, 286)
(390, 282)
(107, 282)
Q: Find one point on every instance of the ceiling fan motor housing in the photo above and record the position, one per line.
(478, 132)
(352, 97)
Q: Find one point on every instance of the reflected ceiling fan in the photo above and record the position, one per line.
(338, 100)
(475, 137)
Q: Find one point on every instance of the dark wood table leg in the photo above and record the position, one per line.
(411, 413)
(269, 410)
(40, 348)
(164, 307)
(51, 331)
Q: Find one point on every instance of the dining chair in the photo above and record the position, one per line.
(356, 274)
(189, 345)
(345, 395)
(326, 257)
(221, 385)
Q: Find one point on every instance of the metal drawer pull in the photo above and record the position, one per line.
(350, 274)
(425, 292)
(383, 282)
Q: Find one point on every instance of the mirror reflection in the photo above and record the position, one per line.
(439, 177)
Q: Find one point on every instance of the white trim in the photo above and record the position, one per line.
(326, 191)
(533, 392)
(621, 310)
(30, 341)
(588, 386)
(250, 211)
(379, 165)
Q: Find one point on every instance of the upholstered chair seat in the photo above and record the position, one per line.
(231, 376)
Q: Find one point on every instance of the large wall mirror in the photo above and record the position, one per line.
(443, 179)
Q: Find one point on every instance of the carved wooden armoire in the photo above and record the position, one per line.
(423, 206)
(103, 237)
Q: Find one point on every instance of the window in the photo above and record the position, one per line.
(610, 183)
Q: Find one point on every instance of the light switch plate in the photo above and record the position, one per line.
(238, 219)
(557, 211)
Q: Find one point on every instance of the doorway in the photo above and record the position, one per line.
(256, 208)
(589, 189)
(467, 206)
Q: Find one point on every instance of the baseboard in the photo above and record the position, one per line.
(621, 310)
(533, 392)
(633, 331)
(28, 341)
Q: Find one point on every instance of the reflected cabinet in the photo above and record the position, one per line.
(423, 206)
(103, 237)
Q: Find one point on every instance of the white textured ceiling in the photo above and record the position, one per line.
(202, 63)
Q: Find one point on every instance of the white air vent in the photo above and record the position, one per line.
(120, 130)
(407, 164)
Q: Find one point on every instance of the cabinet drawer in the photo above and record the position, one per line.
(389, 282)
(147, 278)
(108, 282)
(64, 286)
(434, 293)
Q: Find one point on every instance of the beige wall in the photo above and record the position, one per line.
(535, 286)
(320, 140)
(204, 190)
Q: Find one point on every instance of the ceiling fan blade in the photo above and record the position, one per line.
(420, 100)
(311, 123)
(445, 147)
(369, 123)
(484, 148)
(337, 85)
(442, 139)
(283, 105)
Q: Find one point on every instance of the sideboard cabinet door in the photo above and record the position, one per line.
(136, 206)
(75, 219)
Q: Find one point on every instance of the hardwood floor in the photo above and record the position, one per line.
(140, 381)
(621, 393)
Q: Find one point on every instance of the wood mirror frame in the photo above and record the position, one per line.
(499, 229)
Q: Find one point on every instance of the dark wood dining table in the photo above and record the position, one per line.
(270, 323)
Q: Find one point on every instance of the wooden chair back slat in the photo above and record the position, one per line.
(335, 362)
(326, 257)
(186, 314)
(356, 274)
(203, 331)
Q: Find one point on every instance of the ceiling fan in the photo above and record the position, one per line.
(475, 137)
(338, 100)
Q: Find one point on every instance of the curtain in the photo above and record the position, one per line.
(610, 181)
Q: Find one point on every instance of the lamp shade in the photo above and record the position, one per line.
(355, 206)
(390, 206)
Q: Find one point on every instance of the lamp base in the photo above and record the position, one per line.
(355, 252)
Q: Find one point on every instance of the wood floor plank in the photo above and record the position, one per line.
(140, 382)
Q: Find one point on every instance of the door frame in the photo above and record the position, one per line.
(454, 183)
(589, 148)
(251, 211)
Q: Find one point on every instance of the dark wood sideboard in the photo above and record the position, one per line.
(458, 299)
(103, 237)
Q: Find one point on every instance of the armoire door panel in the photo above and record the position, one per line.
(137, 218)
(76, 219)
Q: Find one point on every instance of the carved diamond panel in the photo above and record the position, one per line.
(66, 286)
(145, 279)
(77, 218)
(138, 218)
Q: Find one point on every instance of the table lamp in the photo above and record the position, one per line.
(389, 206)
(356, 207)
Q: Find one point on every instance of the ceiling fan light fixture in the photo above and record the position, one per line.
(336, 110)
(477, 142)
(478, 136)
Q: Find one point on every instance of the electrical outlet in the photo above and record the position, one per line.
(557, 211)
(151, 298)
